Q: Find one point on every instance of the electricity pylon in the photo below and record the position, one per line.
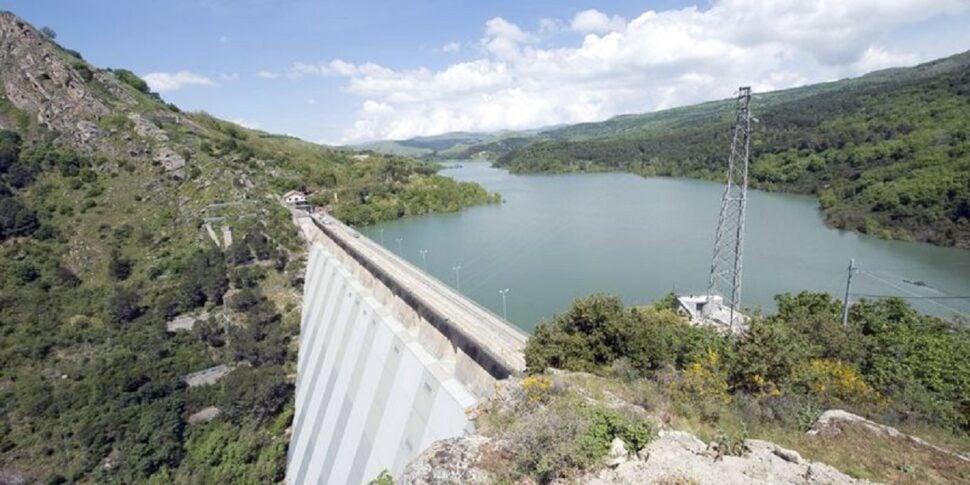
(725, 278)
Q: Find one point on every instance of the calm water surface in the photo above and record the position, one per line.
(559, 237)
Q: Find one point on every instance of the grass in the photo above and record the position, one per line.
(863, 454)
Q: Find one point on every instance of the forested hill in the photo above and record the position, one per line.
(887, 153)
(122, 220)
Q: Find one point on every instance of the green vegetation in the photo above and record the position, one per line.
(889, 363)
(99, 249)
(391, 187)
(552, 432)
(132, 80)
(887, 154)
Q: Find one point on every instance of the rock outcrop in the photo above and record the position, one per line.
(36, 79)
(831, 423)
(678, 457)
(452, 461)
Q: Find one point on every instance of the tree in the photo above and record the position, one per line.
(239, 254)
(124, 306)
(9, 149)
(119, 267)
(16, 219)
(48, 32)
(257, 392)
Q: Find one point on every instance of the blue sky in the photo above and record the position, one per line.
(339, 72)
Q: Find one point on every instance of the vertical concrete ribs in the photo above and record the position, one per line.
(390, 360)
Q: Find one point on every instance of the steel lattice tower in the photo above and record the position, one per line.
(725, 276)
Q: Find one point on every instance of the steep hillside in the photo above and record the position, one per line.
(140, 244)
(887, 153)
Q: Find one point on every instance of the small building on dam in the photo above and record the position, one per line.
(390, 360)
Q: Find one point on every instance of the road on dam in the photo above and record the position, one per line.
(488, 330)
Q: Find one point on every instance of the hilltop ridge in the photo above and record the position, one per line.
(886, 153)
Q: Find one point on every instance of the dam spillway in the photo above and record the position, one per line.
(390, 360)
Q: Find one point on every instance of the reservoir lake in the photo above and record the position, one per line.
(559, 237)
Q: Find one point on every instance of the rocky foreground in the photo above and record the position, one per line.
(672, 457)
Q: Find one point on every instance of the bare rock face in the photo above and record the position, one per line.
(36, 79)
(169, 159)
(146, 128)
(9, 476)
(451, 461)
(678, 457)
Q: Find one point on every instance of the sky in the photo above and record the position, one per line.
(341, 72)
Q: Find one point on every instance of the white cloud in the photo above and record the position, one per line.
(451, 47)
(229, 76)
(551, 26)
(595, 22)
(164, 81)
(505, 40)
(252, 125)
(657, 60)
(268, 74)
(224, 39)
(336, 67)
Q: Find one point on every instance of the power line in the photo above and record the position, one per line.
(904, 290)
(867, 295)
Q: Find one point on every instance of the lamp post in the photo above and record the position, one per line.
(505, 308)
(381, 231)
(424, 259)
(400, 247)
(457, 269)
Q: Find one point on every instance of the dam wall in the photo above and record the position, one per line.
(390, 360)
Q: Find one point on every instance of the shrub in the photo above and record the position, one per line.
(119, 267)
(568, 434)
(835, 382)
(124, 306)
(536, 388)
(704, 380)
(132, 80)
(16, 219)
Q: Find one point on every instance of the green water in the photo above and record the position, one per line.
(558, 237)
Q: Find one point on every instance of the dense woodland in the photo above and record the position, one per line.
(389, 190)
(98, 250)
(887, 154)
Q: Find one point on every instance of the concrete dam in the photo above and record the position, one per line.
(390, 360)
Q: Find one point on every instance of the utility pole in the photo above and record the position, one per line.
(505, 308)
(400, 247)
(457, 269)
(424, 259)
(725, 277)
(848, 286)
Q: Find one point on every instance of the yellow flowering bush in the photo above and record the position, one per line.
(536, 388)
(836, 381)
(704, 379)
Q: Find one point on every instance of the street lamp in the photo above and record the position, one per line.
(457, 269)
(424, 259)
(400, 248)
(505, 308)
(381, 230)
